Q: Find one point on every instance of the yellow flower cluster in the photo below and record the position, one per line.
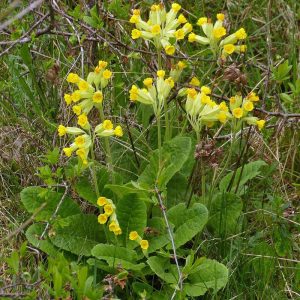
(134, 236)
(161, 27)
(214, 36)
(155, 92)
(88, 93)
(109, 215)
(240, 108)
(202, 110)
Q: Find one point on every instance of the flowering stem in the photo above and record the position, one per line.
(107, 148)
(159, 140)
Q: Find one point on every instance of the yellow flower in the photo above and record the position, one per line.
(181, 19)
(148, 82)
(136, 12)
(170, 82)
(248, 106)
(73, 78)
(68, 99)
(75, 96)
(223, 106)
(133, 93)
(229, 48)
(195, 81)
(232, 100)
(222, 117)
(260, 124)
(133, 235)
(77, 109)
(98, 97)
(253, 97)
(107, 124)
(179, 34)
(161, 73)
(102, 219)
(219, 32)
(181, 65)
(102, 64)
(134, 19)
(68, 151)
(205, 90)
(155, 29)
(170, 50)
(101, 201)
(80, 141)
(118, 131)
(82, 120)
(192, 93)
(107, 74)
(188, 27)
(243, 48)
(82, 154)
(113, 226)
(155, 7)
(144, 244)
(176, 7)
(83, 85)
(238, 112)
(202, 21)
(192, 37)
(241, 34)
(205, 99)
(62, 130)
(220, 17)
(135, 34)
(118, 230)
(108, 209)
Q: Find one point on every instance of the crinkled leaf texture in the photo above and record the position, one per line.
(80, 235)
(33, 197)
(174, 154)
(117, 257)
(187, 221)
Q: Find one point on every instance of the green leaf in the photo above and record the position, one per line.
(122, 190)
(33, 197)
(162, 268)
(82, 233)
(174, 154)
(117, 256)
(159, 237)
(241, 176)
(132, 216)
(188, 222)
(207, 274)
(224, 211)
(33, 235)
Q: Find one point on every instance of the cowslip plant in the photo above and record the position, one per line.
(140, 226)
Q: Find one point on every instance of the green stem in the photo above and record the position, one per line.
(107, 148)
(159, 140)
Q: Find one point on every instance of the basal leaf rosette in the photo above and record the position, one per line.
(163, 28)
(156, 91)
(90, 91)
(215, 37)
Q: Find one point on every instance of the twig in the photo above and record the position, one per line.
(163, 209)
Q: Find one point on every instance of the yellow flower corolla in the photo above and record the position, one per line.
(75, 96)
(260, 124)
(133, 235)
(182, 19)
(101, 201)
(107, 124)
(148, 82)
(202, 21)
(144, 244)
(83, 85)
(155, 29)
(80, 141)
(62, 130)
(253, 97)
(222, 117)
(107, 74)
(238, 112)
(98, 97)
(108, 209)
(68, 151)
(229, 48)
(220, 17)
(176, 7)
(192, 93)
(73, 78)
(195, 81)
(161, 73)
(248, 106)
(82, 120)
(206, 90)
(102, 219)
(179, 34)
(68, 99)
(219, 32)
(118, 131)
(170, 50)
(135, 34)
(77, 109)
(241, 34)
